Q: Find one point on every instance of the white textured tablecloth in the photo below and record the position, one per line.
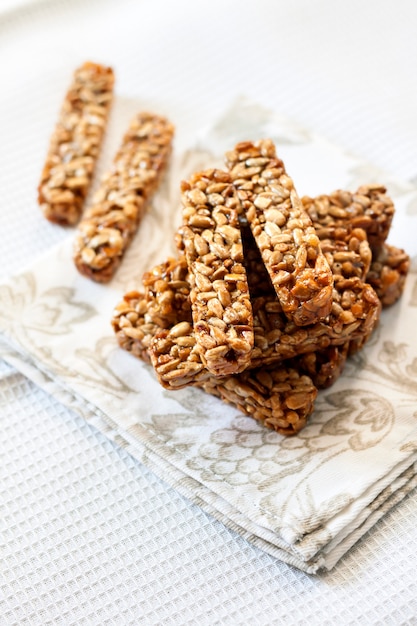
(89, 535)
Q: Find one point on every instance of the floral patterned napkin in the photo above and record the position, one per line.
(305, 499)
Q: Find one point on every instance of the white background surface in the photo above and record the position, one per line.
(88, 535)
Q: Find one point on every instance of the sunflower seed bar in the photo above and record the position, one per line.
(369, 208)
(176, 358)
(220, 304)
(75, 144)
(164, 302)
(348, 253)
(283, 232)
(387, 274)
(355, 313)
(279, 397)
(355, 307)
(109, 225)
(178, 364)
(133, 326)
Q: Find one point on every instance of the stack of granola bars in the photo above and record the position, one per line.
(269, 293)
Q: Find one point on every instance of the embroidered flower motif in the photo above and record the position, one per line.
(54, 311)
(393, 353)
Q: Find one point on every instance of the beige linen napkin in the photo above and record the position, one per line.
(305, 499)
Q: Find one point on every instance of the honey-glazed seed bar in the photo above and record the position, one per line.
(220, 303)
(176, 358)
(387, 274)
(109, 225)
(75, 143)
(369, 208)
(133, 326)
(355, 313)
(164, 302)
(283, 232)
(348, 253)
(355, 307)
(279, 397)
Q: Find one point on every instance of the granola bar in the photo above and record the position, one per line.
(221, 308)
(279, 397)
(355, 313)
(372, 210)
(355, 307)
(348, 253)
(133, 326)
(164, 302)
(109, 225)
(369, 208)
(75, 144)
(387, 274)
(283, 232)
